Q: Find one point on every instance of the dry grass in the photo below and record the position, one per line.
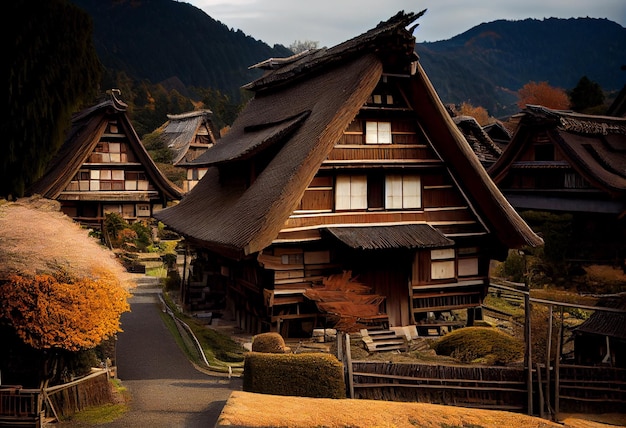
(245, 409)
(35, 237)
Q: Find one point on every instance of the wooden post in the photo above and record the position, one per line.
(528, 356)
(557, 368)
(540, 390)
(349, 363)
(548, 359)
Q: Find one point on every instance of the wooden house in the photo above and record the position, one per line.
(343, 194)
(102, 168)
(188, 135)
(565, 162)
(601, 339)
(499, 134)
(482, 144)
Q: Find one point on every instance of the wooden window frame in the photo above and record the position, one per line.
(351, 192)
(378, 132)
(403, 191)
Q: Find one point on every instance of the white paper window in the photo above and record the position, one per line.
(468, 267)
(351, 192)
(377, 132)
(117, 174)
(446, 253)
(403, 191)
(442, 269)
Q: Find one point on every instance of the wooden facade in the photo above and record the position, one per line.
(343, 195)
(103, 168)
(565, 162)
(188, 135)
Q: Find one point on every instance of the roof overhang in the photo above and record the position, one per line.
(384, 237)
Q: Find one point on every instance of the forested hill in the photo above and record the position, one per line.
(175, 42)
(165, 40)
(487, 64)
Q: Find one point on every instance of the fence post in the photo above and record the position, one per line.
(349, 364)
(528, 356)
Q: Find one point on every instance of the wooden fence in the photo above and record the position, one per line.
(498, 388)
(30, 407)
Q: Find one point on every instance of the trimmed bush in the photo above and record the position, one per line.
(316, 375)
(272, 343)
(480, 345)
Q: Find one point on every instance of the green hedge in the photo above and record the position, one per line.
(316, 375)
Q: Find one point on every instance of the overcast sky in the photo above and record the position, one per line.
(330, 22)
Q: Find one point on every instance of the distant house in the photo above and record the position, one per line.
(482, 144)
(601, 339)
(343, 194)
(188, 135)
(499, 134)
(565, 162)
(103, 168)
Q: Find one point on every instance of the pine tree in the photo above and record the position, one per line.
(51, 67)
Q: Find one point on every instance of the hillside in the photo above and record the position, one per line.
(166, 40)
(179, 45)
(487, 64)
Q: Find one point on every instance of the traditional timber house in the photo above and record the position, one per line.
(103, 168)
(188, 135)
(565, 162)
(601, 339)
(486, 150)
(498, 133)
(343, 192)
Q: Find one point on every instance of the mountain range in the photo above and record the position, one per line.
(179, 44)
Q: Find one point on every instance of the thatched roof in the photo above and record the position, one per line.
(595, 146)
(482, 144)
(87, 127)
(301, 107)
(179, 132)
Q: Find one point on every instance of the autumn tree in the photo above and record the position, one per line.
(544, 95)
(50, 67)
(61, 292)
(479, 113)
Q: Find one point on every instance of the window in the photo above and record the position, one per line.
(377, 132)
(351, 192)
(403, 191)
(468, 261)
(442, 264)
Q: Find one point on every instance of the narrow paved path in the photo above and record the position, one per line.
(166, 389)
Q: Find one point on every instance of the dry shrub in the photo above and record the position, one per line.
(272, 343)
(480, 345)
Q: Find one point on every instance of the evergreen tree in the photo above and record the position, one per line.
(586, 95)
(51, 68)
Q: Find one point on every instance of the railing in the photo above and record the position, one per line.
(29, 407)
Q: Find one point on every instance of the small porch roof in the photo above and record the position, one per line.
(389, 236)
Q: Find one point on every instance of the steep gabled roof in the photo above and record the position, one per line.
(87, 127)
(179, 132)
(301, 107)
(595, 146)
(482, 144)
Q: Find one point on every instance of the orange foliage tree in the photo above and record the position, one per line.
(58, 311)
(479, 113)
(544, 95)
